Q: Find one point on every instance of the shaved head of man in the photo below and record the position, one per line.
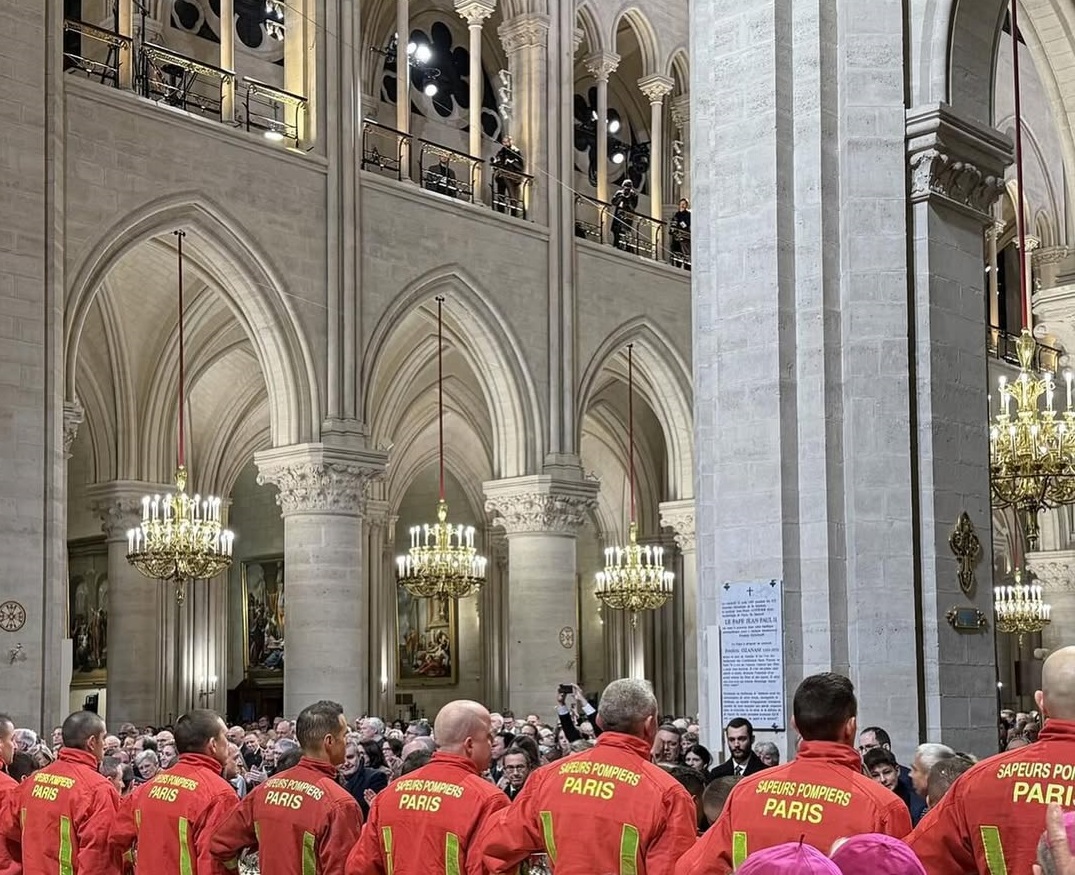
(1056, 698)
(465, 728)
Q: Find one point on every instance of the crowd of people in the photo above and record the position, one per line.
(611, 788)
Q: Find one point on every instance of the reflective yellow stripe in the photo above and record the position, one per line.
(65, 846)
(138, 817)
(629, 850)
(994, 851)
(550, 839)
(451, 854)
(185, 867)
(309, 854)
(739, 849)
(386, 841)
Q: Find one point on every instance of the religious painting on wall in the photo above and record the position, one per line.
(263, 618)
(87, 611)
(427, 641)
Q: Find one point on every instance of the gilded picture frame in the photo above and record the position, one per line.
(427, 641)
(263, 610)
(87, 612)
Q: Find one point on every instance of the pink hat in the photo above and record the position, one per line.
(793, 857)
(876, 854)
(1045, 855)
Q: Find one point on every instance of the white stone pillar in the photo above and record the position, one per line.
(134, 609)
(679, 517)
(1032, 244)
(992, 233)
(322, 499)
(403, 69)
(540, 516)
(227, 59)
(474, 13)
(300, 65)
(601, 66)
(525, 39)
(127, 58)
(681, 120)
(656, 88)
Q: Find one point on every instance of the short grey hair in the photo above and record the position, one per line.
(625, 704)
(146, 756)
(767, 747)
(377, 725)
(931, 754)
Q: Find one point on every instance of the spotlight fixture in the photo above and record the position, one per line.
(618, 157)
(422, 53)
(613, 125)
(429, 83)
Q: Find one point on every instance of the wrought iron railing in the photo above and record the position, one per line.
(1002, 345)
(454, 173)
(384, 149)
(510, 191)
(679, 247)
(624, 229)
(273, 111)
(186, 83)
(93, 51)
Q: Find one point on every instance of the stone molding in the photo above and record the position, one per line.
(541, 504)
(1054, 569)
(602, 65)
(524, 32)
(1050, 255)
(73, 415)
(656, 87)
(474, 12)
(679, 517)
(313, 478)
(955, 162)
(681, 111)
(118, 504)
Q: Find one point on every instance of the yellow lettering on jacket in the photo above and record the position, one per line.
(420, 802)
(589, 787)
(1043, 794)
(49, 794)
(819, 792)
(164, 794)
(283, 799)
(418, 785)
(54, 780)
(812, 812)
(294, 786)
(175, 781)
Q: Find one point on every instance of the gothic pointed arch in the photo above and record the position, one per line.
(648, 43)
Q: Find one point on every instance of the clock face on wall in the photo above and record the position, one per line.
(12, 616)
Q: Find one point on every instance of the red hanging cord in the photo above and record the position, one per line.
(182, 365)
(631, 422)
(1020, 219)
(440, 389)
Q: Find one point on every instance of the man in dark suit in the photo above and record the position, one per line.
(362, 782)
(876, 738)
(739, 735)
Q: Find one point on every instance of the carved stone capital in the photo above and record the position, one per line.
(1050, 255)
(313, 478)
(656, 87)
(474, 12)
(602, 65)
(118, 504)
(73, 416)
(1054, 569)
(541, 504)
(955, 162)
(679, 517)
(524, 32)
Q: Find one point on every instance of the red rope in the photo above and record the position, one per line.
(1020, 222)
(440, 389)
(631, 422)
(182, 355)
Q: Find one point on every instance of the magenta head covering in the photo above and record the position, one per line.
(794, 858)
(1045, 854)
(876, 854)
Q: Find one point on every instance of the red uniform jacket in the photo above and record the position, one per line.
(10, 858)
(61, 817)
(991, 818)
(821, 795)
(172, 819)
(605, 810)
(301, 822)
(426, 822)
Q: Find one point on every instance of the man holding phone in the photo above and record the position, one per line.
(563, 712)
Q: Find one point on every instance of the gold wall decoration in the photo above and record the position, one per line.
(967, 549)
(966, 619)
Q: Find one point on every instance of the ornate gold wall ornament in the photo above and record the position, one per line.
(966, 619)
(967, 549)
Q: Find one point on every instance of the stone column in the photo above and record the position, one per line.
(73, 415)
(127, 58)
(1046, 263)
(227, 59)
(300, 64)
(957, 172)
(992, 233)
(602, 65)
(134, 609)
(679, 517)
(403, 69)
(540, 516)
(474, 13)
(322, 495)
(656, 88)
(378, 523)
(525, 39)
(681, 120)
(1032, 244)
(1055, 571)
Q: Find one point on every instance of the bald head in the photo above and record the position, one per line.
(1057, 695)
(459, 720)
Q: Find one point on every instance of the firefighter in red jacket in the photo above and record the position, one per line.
(172, 818)
(820, 796)
(608, 809)
(61, 815)
(9, 852)
(427, 821)
(991, 818)
(300, 820)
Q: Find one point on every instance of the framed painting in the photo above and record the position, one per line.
(427, 641)
(87, 611)
(263, 617)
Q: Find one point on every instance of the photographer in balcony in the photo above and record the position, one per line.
(681, 234)
(508, 167)
(441, 178)
(625, 202)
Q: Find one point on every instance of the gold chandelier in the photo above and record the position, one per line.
(442, 561)
(634, 578)
(1031, 449)
(1021, 609)
(181, 537)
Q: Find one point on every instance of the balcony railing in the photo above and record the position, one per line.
(384, 149)
(176, 80)
(453, 173)
(93, 51)
(624, 229)
(1002, 345)
(510, 191)
(272, 111)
